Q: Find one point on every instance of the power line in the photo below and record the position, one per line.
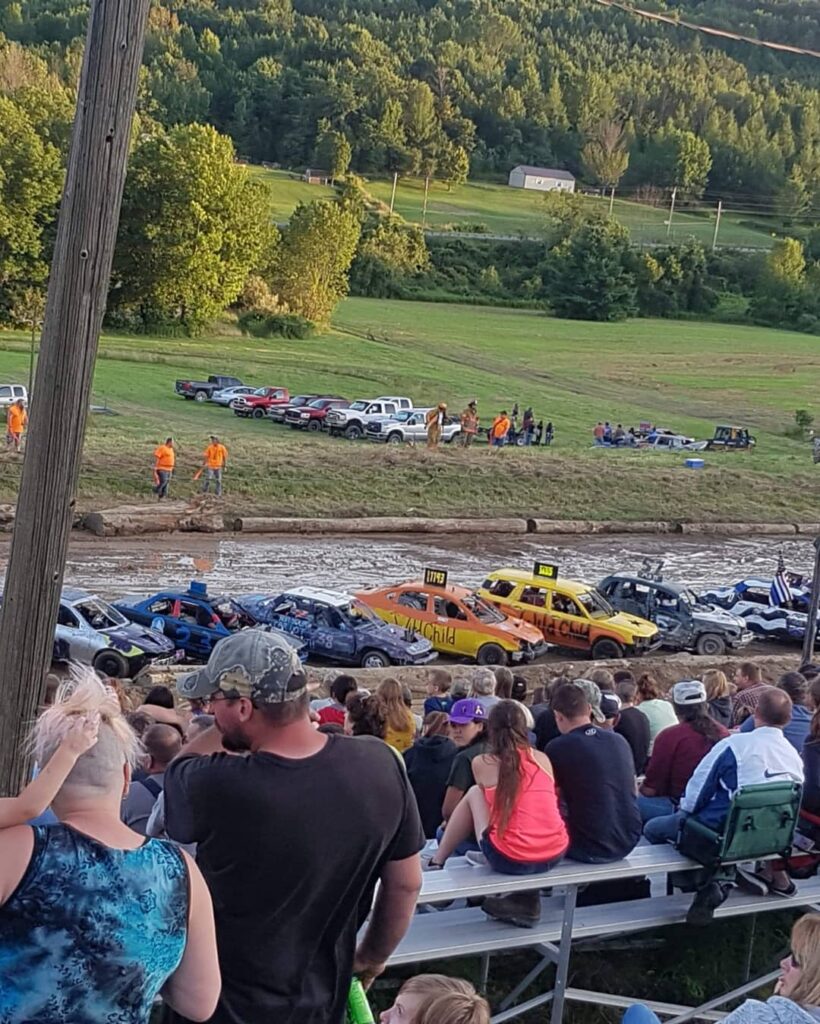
(680, 23)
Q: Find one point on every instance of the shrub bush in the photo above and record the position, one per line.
(271, 325)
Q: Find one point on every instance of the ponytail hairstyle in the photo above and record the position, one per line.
(648, 688)
(697, 717)
(507, 734)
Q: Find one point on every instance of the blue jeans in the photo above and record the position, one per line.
(638, 1014)
(664, 829)
(655, 807)
(500, 862)
(468, 846)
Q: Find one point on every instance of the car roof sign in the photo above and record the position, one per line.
(435, 577)
(545, 570)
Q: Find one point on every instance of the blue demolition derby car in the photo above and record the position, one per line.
(751, 600)
(336, 627)
(193, 620)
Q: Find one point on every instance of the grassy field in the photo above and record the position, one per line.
(287, 190)
(680, 375)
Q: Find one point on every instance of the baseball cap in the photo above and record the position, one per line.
(467, 710)
(689, 691)
(261, 666)
(610, 705)
(592, 692)
(809, 670)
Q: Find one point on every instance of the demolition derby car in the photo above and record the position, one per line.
(751, 600)
(686, 622)
(569, 614)
(193, 621)
(90, 631)
(336, 627)
(455, 620)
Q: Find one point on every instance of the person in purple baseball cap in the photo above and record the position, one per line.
(468, 730)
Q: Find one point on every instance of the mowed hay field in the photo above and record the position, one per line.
(684, 376)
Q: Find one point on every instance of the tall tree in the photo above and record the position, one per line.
(605, 154)
(589, 274)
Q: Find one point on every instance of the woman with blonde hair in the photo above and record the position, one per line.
(797, 992)
(437, 999)
(96, 920)
(650, 701)
(401, 726)
(718, 696)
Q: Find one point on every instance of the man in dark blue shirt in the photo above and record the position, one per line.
(595, 774)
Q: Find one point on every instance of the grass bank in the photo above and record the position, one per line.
(681, 375)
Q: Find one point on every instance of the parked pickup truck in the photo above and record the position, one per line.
(202, 390)
(352, 422)
(10, 393)
(260, 402)
(408, 425)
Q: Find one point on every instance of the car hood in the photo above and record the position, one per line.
(397, 635)
(124, 638)
(634, 623)
(712, 615)
(520, 630)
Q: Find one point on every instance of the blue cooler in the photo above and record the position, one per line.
(694, 463)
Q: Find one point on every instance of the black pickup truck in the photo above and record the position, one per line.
(202, 390)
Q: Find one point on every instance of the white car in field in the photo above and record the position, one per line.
(227, 395)
(408, 425)
(10, 393)
(352, 421)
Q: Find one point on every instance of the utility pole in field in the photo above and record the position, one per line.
(814, 607)
(717, 224)
(671, 211)
(611, 200)
(393, 193)
(86, 233)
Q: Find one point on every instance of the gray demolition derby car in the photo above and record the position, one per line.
(685, 622)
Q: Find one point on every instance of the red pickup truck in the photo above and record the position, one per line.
(259, 402)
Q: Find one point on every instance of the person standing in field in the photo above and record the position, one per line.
(16, 420)
(435, 421)
(216, 460)
(469, 424)
(499, 430)
(164, 462)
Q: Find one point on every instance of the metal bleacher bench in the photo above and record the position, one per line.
(464, 932)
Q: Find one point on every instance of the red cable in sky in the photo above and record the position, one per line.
(680, 23)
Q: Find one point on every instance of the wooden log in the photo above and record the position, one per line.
(739, 529)
(116, 524)
(378, 524)
(810, 529)
(560, 526)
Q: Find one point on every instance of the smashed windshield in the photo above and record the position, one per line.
(596, 606)
(100, 615)
(483, 611)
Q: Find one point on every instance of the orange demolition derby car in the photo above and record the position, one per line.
(456, 621)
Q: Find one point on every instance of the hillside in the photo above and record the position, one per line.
(452, 86)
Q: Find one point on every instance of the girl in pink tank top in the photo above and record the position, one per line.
(513, 810)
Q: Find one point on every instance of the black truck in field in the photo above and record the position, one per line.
(202, 390)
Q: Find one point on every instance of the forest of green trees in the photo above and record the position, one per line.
(434, 88)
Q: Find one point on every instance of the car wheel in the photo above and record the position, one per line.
(491, 654)
(314, 425)
(605, 649)
(374, 659)
(353, 432)
(109, 663)
(710, 644)
(394, 438)
(201, 396)
(258, 414)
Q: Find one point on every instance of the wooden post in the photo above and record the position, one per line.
(424, 207)
(814, 607)
(393, 193)
(80, 270)
(671, 211)
(612, 201)
(717, 224)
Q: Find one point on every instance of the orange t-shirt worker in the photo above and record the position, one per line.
(165, 457)
(216, 455)
(16, 420)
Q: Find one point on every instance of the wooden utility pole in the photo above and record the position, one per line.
(814, 607)
(80, 270)
(671, 211)
(717, 224)
(393, 193)
(424, 207)
(612, 201)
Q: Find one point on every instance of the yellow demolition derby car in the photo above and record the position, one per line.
(569, 614)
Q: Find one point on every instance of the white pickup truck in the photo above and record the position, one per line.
(352, 421)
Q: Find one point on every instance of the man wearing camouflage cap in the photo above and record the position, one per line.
(292, 838)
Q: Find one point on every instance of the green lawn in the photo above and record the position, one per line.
(681, 375)
(287, 190)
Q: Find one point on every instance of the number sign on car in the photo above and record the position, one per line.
(435, 577)
(545, 571)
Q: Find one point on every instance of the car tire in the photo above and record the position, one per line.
(374, 659)
(314, 425)
(258, 414)
(109, 663)
(606, 649)
(201, 396)
(492, 654)
(353, 431)
(394, 438)
(710, 644)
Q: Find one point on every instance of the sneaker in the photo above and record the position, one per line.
(790, 890)
(706, 902)
(751, 882)
(523, 909)
(476, 859)
(427, 862)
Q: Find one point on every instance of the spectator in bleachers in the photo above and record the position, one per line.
(678, 751)
(429, 762)
(482, 687)
(594, 771)
(365, 716)
(603, 679)
(438, 697)
(79, 940)
(520, 692)
(460, 688)
(652, 703)
(503, 682)
(437, 999)
(407, 697)
(512, 810)
(334, 709)
(796, 998)
(468, 730)
(401, 726)
(546, 728)
(718, 696)
(633, 725)
(797, 730)
(159, 696)
(162, 743)
(750, 688)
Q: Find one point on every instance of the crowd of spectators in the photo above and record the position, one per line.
(282, 840)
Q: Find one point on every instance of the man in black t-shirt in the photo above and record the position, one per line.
(292, 839)
(595, 776)
(633, 724)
